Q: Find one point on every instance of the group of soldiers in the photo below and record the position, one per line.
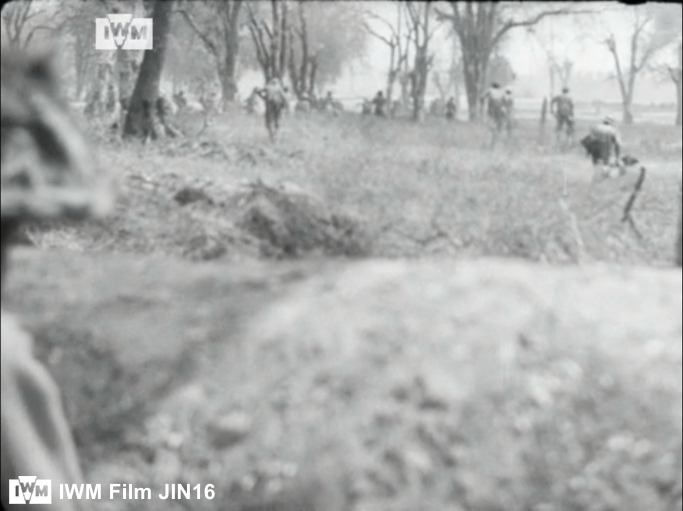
(55, 181)
(276, 98)
(380, 106)
(603, 142)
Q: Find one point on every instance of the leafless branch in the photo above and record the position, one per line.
(202, 36)
(635, 230)
(389, 42)
(374, 16)
(510, 24)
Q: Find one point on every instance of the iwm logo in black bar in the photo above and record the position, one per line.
(30, 490)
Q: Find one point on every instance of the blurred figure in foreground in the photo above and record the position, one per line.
(47, 173)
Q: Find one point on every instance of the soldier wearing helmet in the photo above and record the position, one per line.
(379, 103)
(494, 102)
(603, 144)
(562, 106)
(46, 173)
(273, 94)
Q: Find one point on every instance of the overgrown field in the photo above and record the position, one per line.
(308, 325)
(411, 190)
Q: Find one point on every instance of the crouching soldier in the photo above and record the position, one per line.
(46, 174)
(603, 145)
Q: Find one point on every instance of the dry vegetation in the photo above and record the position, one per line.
(584, 421)
(415, 190)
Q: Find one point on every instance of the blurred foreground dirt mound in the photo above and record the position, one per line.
(290, 222)
(202, 220)
(366, 386)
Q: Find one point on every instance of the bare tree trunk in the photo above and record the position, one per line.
(312, 77)
(419, 76)
(142, 119)
(82, 63)
(228, 86)
(271, 41)
(98, 100)
(226, 75)
(627, 113)
(472, 79)
(232, 47)
(127, 68)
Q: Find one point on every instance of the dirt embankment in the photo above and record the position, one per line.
(366, 386)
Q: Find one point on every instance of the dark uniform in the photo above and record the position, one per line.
(274, 96)
(563, 108)
(496, 111)
(380, 104)
(451, 109)
(603, 142)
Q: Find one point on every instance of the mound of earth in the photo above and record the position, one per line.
(291, 222)
(365, 386)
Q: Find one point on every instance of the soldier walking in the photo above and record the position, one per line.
(562, 106)
(274, 96)
(380, 104)
(451, 109)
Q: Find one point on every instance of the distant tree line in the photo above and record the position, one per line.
(204, 45)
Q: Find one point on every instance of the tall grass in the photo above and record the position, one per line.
(434, 188)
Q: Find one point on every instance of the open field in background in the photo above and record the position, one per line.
(416, 190)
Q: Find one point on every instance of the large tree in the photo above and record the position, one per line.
(397, 38)
(419, 16)
(217, 25)
(674, 73)
(142, 112)
(668, 19)
(559, 64)
(481, 27)
(20, 21)
(268, 25)
(323, 37)
(642, 45)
